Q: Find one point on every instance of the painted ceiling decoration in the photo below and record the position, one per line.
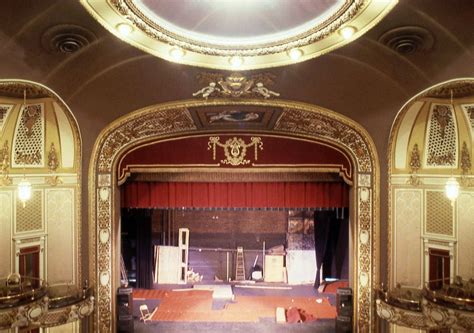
(238, 35)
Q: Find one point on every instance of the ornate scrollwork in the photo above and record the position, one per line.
(235, 149)
(5, 180)
(235, 85)
(53, 164)
(153, 123)
(415, 164)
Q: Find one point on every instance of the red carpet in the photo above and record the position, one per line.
(197, 306)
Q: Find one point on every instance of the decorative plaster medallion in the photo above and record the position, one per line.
(364, 237)
(364, 194)
(104, 193)
(364, 180)
(104, 180)
(364, 279)
(104, 236)
(104, 278)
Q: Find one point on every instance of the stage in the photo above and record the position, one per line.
(236, 307)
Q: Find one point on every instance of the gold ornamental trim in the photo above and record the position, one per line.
(235, 149)
(314, 41)
(297, 120)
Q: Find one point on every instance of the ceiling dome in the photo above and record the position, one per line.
(245, 34)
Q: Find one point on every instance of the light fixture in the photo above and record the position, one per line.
(124, 29)
(236, 61)
(295, 53)
(24, 191)
(451, 188)
(177, 53)
(347, 32)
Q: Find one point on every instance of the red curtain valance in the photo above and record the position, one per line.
(234, 195)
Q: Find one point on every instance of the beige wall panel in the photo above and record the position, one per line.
(66, 137)
(403, 135)
(60, 223)
(466, 235)
(407, 243)
(6, 216)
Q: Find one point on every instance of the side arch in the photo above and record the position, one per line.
(162, 121)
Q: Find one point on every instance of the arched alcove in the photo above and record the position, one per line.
(431, 141)
(182, 119)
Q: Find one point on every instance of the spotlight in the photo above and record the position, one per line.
(236, 61)
(295, 53)
(177, 53)
(124, 29)
(347, 32)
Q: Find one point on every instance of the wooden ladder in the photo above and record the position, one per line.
(240, 265)
(123, 272)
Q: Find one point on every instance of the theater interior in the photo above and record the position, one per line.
(223, 166)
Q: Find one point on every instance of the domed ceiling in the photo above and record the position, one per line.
(244, 34)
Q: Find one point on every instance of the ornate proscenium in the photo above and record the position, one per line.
(235, 149)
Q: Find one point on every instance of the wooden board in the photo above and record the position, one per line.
(274, 270)
(168, 264)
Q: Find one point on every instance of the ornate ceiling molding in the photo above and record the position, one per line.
(155, 35)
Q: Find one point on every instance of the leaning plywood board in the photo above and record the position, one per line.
(168, 264)
(274, 270)
(301, 266)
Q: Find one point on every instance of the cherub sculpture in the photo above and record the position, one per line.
(207, 91)
(260, 89)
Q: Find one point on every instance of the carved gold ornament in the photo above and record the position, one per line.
(235, 149)
(235, 86)
(149, 27)
(415, 164)
(465, 166)
(53, 164)
(5, 180)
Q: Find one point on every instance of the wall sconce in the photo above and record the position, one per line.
(24, 191)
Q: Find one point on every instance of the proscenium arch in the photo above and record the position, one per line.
(297, 119)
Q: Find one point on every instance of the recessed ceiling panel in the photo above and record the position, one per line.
(238, 34)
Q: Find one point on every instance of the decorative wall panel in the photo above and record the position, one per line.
(28, 143)
(469, 113)
(465, 234)
(6, 218)
(4, 111)
(30, 217)
(439, 214)
(66, 136)
(60, 224)
(407, 243)
(442, 137)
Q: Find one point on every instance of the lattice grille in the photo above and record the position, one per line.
(4, 110)
(30, 217)
(469, 112)
(441, 137)
(29, 137)
(439, 214)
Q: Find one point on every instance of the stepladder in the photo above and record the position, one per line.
(240, 265)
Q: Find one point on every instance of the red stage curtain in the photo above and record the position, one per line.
(234, 195)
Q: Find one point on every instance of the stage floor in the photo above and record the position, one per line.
(250, 307)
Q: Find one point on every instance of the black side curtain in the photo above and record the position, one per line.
(138, 224)
(331, 238)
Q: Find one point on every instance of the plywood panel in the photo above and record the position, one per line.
(274, 268)
(168, 264)
(6, 217)
(407, 237)
(301, 266)
(465, 234)
(60, 226)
